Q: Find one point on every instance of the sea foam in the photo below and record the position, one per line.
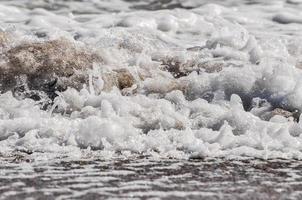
(210, 81)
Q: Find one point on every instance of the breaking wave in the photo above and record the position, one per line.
(193, 80)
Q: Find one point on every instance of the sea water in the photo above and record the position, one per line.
(209, 80)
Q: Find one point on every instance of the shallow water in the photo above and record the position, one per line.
(150, 99)
(145, 178)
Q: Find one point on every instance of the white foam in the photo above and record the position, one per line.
(166, 116)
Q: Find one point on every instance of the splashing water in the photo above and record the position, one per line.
(124, 78)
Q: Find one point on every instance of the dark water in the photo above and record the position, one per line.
(143, 178)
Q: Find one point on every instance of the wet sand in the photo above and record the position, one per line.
(143, 178)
